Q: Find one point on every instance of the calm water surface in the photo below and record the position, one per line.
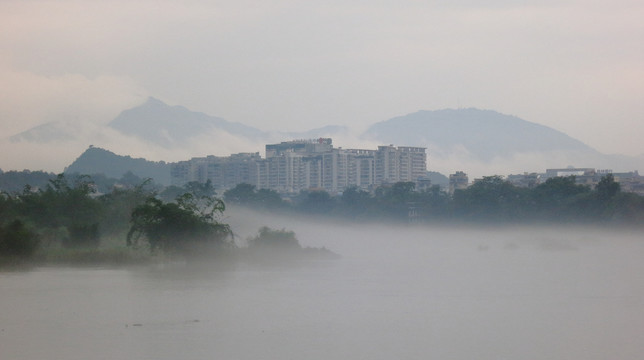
(395, 294)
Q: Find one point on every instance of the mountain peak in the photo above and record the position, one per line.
(154, 102)
(485, 134)
(170, 126)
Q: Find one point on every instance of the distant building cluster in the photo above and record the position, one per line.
(292, 166)
(629, 181)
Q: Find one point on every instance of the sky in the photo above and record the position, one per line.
(574, 65)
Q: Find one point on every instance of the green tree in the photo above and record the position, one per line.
(181, 225)
(268, 199)
(316, 202)
(64, 205)
(241, 194)
(434, 203)
(628, 208)
(17, 241)
(201, 189)
(247, 195)
(607, 188)
(355, 203)
(397, 201)
(490, 198)
(268, 238)
(118, 206)
(560, 199)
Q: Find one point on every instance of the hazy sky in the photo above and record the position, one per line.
(577, 66)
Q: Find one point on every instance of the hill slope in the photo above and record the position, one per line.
(99, 161)
(165, 125)
(485, 134)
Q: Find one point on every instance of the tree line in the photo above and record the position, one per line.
(70, 212)
(490, 199)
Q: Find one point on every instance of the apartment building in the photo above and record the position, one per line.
(223, 172)
(458, 181)
(292, 166)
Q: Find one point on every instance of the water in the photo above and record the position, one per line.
(396, 294)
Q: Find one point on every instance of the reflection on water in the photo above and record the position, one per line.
(395, 294)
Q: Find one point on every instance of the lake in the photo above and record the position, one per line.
(396, 293)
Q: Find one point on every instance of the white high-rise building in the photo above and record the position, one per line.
(293, 166)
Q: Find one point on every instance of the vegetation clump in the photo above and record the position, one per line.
(180, 226)
(74, 218)
(17, 242)
(490, 200)
(268, 238)
(283, 244)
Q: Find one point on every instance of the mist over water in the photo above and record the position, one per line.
(397, 293)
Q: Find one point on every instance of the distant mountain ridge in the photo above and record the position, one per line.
(159, 123)
(45, 133)
(484, 133)
(325, 131)
(464, 139)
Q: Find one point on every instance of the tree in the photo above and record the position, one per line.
(605, 199)
(242, 194)
(201, 189)
(268, 199)
(607, 188)
(117, 207)
(354, 202)
(490, 198)
(560, 199)
(247, 195)
(68, 207)
(180, 225)
(434, 203)
(17, 241)
(398, 200)
(268, 238)
(316, 202)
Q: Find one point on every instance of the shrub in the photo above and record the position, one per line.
(82, 236)
(17, 241)
(275, 239)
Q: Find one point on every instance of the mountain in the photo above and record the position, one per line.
(57, 132)
(485, 134)
(325, 131)
(100, 161)
(153, 122)
(165, 126)
(483, 141)
(13, 182)
(170, 126)
(46, 133)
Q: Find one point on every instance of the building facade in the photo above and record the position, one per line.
(293, 166)
(458, 181)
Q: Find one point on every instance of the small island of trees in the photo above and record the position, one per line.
(67, 221)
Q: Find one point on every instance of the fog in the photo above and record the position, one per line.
(404, 292)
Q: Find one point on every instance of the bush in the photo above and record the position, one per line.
(82, 236)
(179, 226)
(274, 239)
(17, 241)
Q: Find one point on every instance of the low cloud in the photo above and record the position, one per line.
(34, 99)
